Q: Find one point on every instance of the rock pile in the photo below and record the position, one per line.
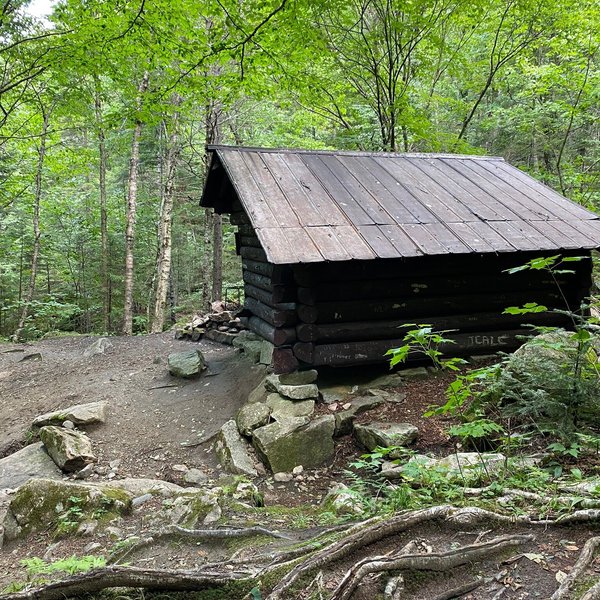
(281, 425)
(220, 325)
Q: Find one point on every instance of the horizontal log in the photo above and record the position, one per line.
(276, 335)
(355, 353)
(425, 285)
(245, 229)
(419, 308)
(274, 316)
(284, 361)
(252, 253)
(280, 291)
(379, 330)
(239, 218)
(267, 298)
(276, 273)
(308, 275)
(249, 240)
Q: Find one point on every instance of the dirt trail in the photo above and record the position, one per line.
(152, 417)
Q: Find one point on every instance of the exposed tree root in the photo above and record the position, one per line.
(593, 593)
(459, 591)
(323, 553)
(509, 495)
(111, 577)
(195, 534)
(584, 560)
(440, 561)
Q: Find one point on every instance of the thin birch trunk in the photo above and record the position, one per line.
(163, 267)
(132, 187)
(36, 228)
(104, 249)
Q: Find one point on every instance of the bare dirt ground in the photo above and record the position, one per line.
(157, 421)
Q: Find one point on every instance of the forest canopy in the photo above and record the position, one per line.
(107, 106)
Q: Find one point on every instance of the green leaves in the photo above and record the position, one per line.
(527, 308)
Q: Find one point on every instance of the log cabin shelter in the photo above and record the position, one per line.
(340, 250)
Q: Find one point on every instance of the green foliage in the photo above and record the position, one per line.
(423, 340)
(70, 518)
(40, 572)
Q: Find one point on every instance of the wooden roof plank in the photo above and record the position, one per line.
(354, 185)
(248, 192)
(405, 200)
(303, 246)
(328, 244)
(423, 237)
(271, 191)
(517, 204)
(401, 240)
(426, 192)
(498, 210)
(295, 191)
(509, 232)
(369, 177)
(275, 244)
(492, 237)
(559, 205)
(590, 227)
(339, 195)
(353, 242)
(447, 238)
(378, 241)
(474, 240)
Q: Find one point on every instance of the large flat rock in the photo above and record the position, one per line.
(30, 462)
(80, 414)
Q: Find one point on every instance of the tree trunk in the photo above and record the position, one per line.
(163, 264)
(104, 249)
(132, 186)
(36, 228)
(213, 220)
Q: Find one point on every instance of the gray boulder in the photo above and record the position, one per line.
(297, 441)
(473, 463)
(252, 416)
(341, 500)
(299, 392)
(266, 353)
(298, 377)
(344, 419)
(232, 451)
(385, 435)
(258, 394)
(80, 414)
(186, 364)
(32, 461)
(70, 450)
(100, 346)
(282, 408)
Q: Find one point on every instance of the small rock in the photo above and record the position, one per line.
(100, 346)
(115, 464)
(297, 470)
(342, 501)
(114, 532)
(283, 477)
(195, 477)
(385, 435)
(186, 364)
(92, 547)
(68, 424)
(251, 416)
(344, 420)
(86, 472)
(139, 500)
(299, 392)
(282, 408)
(180, 468)
(111, 475)
(87, 528)
(299, 377)
(70, 450)
(266, 353)
(49, 554)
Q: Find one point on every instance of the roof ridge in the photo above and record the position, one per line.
(226, 147)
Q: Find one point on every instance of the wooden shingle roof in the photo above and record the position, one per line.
(313, 206)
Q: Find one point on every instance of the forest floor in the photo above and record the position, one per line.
(156, 422)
